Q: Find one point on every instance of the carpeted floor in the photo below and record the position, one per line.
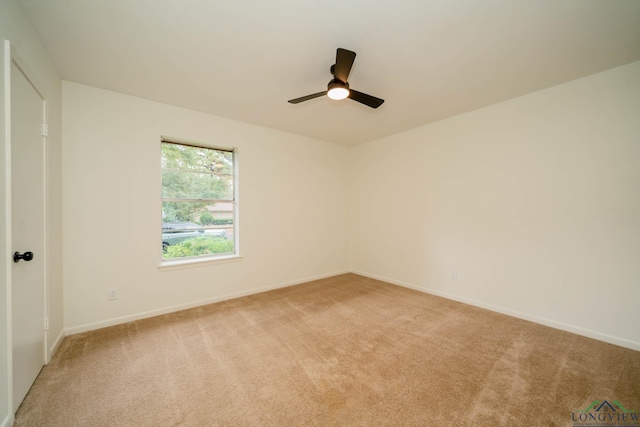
(346, 350)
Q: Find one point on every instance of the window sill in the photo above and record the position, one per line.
(197, 262)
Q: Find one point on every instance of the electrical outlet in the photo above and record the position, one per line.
(454, 276)
(338, 259)
(112, 295)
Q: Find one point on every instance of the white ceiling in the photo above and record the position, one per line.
(243, 59)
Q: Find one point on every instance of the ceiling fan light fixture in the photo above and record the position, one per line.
(338, 90)
(338, 93)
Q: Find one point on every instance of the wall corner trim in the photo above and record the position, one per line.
(8, 421)
(55, 346)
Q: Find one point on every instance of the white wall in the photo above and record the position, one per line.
(15, 27)
(293, 208)
(534, 202)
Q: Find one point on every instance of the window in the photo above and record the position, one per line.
(198, 201)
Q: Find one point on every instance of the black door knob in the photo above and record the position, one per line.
(27, 256)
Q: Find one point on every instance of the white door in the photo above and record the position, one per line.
(27, 233)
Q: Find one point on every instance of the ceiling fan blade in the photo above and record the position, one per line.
(344, 62)
(365, 99)
(308, 97)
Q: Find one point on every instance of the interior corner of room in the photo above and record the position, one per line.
(529, 206)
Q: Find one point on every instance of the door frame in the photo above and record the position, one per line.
(11, 56)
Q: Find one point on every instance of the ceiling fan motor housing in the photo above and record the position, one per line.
(335, 83)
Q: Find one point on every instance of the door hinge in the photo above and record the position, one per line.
(44, 131)
(46, 323)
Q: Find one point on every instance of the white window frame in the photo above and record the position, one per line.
(204, 260)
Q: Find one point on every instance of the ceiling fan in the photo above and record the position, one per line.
(338, 87)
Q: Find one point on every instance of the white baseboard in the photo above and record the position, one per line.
(56, 345)
(8, 421)
(152, 313)
(622, 342)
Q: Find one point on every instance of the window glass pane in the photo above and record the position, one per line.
(192, 224)
(200, 214)
(196, 159)
(210, 242)
(195, 185)
(196, 228)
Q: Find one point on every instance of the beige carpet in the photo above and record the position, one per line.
(347, 350)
